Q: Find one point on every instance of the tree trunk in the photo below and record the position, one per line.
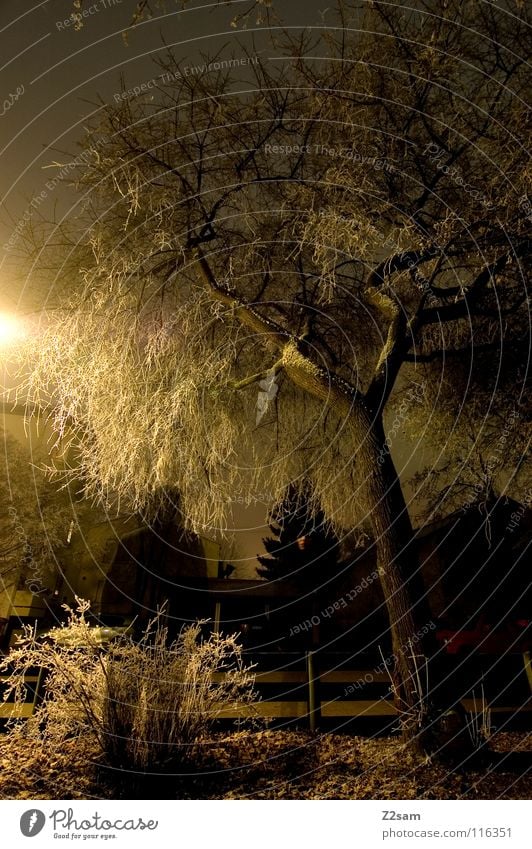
(411, 624)
(397, 562)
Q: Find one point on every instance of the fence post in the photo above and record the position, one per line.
(314, 701)
(217, 616)
(528, 668)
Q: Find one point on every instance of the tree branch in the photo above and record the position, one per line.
(300, 369)
(399, 262)
(401, 331)
(443, 353)
(261, 375)
(389, 362)
(468, 305)
(273, 336)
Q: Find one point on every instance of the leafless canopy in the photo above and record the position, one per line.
(350, 200)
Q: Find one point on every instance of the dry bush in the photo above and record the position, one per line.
(148, 704)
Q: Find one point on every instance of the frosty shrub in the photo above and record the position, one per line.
(148, 704)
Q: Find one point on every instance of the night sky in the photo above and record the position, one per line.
(53, 77)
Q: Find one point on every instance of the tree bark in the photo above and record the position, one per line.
(404, 593)
(397, 562)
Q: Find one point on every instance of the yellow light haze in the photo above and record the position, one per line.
(11, 330)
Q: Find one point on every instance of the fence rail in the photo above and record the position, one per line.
(294, 690)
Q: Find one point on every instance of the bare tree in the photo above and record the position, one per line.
(348, 221)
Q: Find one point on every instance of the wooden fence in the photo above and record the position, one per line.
(292, 690)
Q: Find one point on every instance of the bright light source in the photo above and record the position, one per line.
(11, 329)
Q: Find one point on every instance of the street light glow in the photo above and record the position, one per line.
(11, 329)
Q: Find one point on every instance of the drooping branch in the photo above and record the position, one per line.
(12, 409)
